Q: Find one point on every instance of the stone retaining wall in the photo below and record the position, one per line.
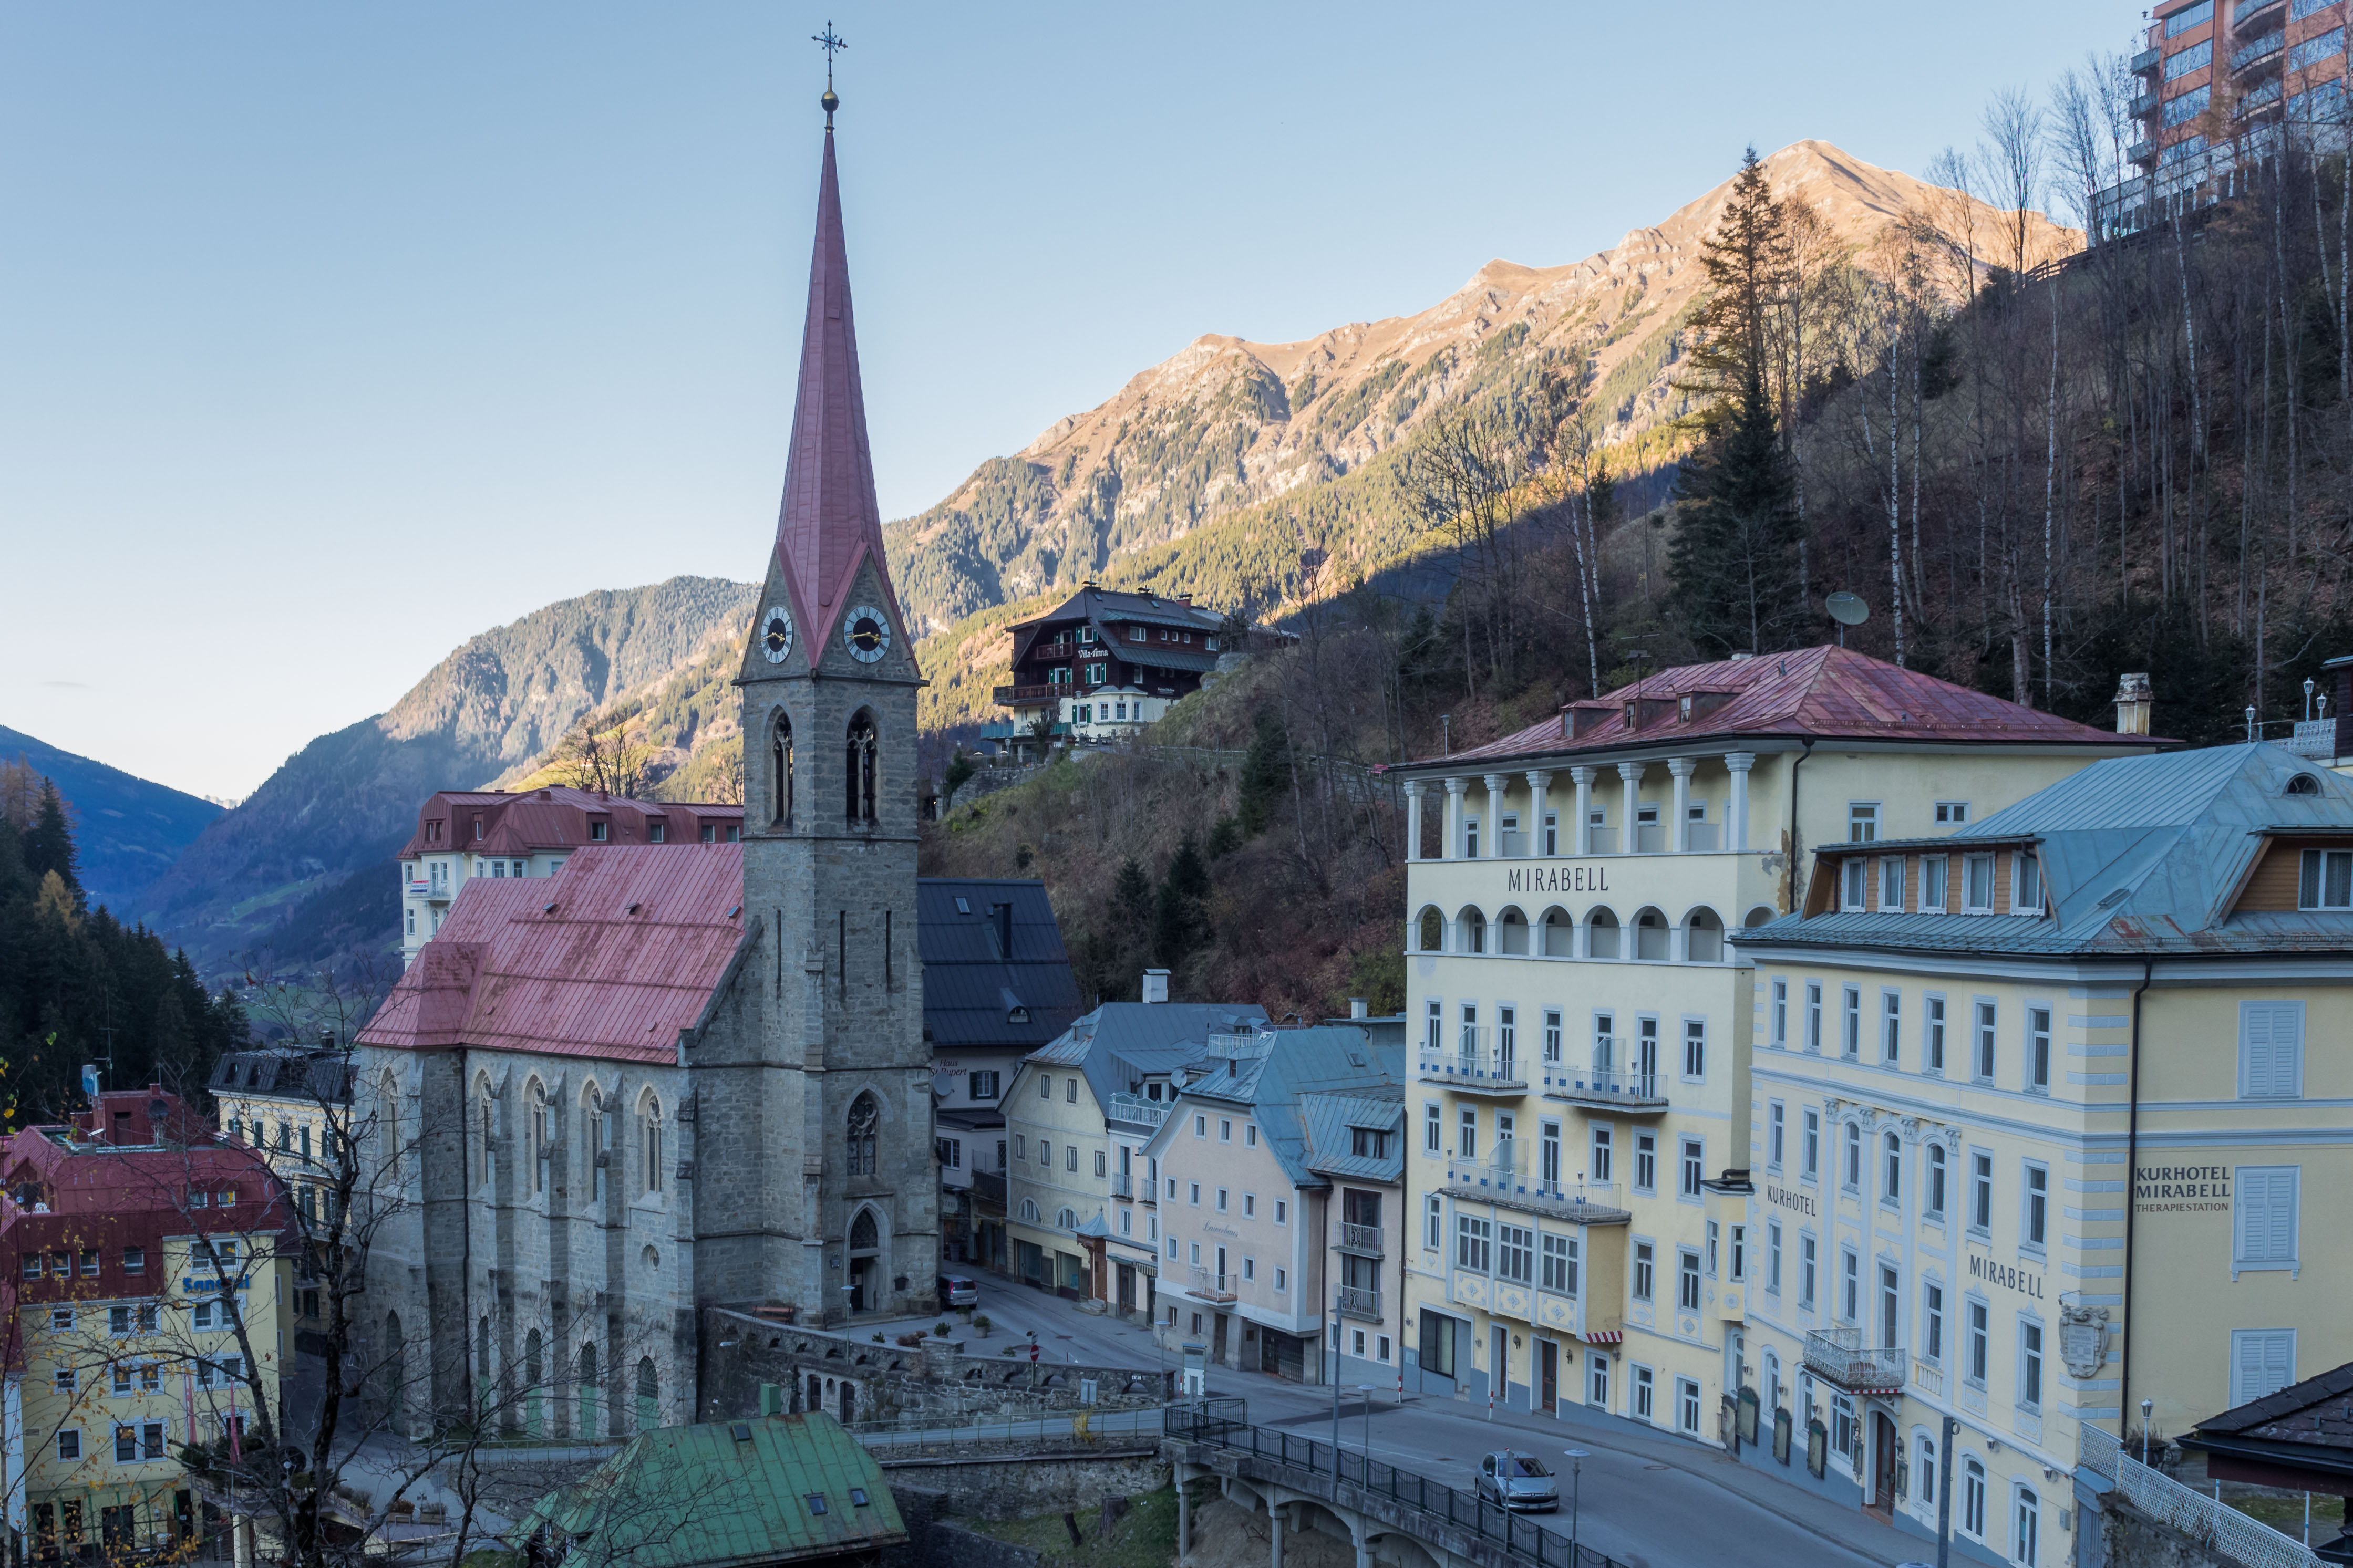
(934, 1381)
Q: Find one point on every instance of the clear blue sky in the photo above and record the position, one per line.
(331, 334)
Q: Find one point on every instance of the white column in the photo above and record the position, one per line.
(1682, 768)
(1630, 832)
(1495, 782)
(1583, 838)
(1539, 804)
(1736, 815)
(1453, 848)
(1414, 789)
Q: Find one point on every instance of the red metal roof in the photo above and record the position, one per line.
(830, 520)
(1817, 693)
(638, 937)
(553, 818)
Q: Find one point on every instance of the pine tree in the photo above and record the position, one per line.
(1266, 774)
(1734, 561)
(1745, 259)
(49, 846)
(1181, 925)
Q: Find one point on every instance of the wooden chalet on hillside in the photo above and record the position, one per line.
(1105, 663)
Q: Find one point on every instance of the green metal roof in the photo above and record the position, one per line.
(720, 1493)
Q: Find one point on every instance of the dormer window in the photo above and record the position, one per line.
(2026, 884)
(657, 832)
(2303, 784)
(598, 831)
(2326, 881)
(478, 830)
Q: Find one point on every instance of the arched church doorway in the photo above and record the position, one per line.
(865, 1261)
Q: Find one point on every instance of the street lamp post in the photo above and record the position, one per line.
(1335, 1393)
(1576, 1457)
(1365, 1393)
(2147, 1405)
(1951, 1430)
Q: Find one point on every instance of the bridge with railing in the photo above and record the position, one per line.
(1301, 1483)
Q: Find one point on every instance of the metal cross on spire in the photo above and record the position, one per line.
(832, 43)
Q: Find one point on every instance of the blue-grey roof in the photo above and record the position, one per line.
(991, 954)
(1278, 1072)
(2140, 855)
(1329, 1121)
(1120, 1044)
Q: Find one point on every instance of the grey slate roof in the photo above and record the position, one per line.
(1002, 951)
(2141, 856)
(316, 1077)
(1122, 1042)
(1284, 1072)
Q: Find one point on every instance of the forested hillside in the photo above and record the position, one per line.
(130, 830)
(79, 985)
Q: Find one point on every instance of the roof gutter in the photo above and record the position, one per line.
(2131, 1207)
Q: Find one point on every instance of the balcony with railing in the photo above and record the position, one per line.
(2262, 51)
(1607, 1088)
(1840, 1356)
(2146, 61)
(1929, 1380)
(1122, 1186)
(1211, 1286)
(1474, 1067)
(2145, 104)
(1008, 696)
(2314, 737)
(1364, 1240)
(1361, 1302)
(1498, 1181)
(1135, 1110)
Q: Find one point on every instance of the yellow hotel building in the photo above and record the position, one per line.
(2044, 1115)
(1585, 1225)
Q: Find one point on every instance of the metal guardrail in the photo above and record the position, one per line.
(1136, 1109)
(2204, 1520)
(915, 1436)
(1206, 1421)
(1364, 1239)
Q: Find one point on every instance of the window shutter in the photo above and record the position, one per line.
(2263, 1363)
(2267, 1214)
(2271, 1049)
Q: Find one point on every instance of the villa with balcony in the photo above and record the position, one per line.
(1580, 1127)
(1279, 1170)
(1104, 664)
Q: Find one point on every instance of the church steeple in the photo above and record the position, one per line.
(831, 521)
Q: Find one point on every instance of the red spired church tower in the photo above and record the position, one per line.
(815, 1135)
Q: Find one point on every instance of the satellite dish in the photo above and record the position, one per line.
(1847, 609)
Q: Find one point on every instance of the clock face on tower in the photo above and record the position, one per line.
(868, 632)
(776, 634)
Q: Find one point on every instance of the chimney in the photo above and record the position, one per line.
(2132, 703)
(1185, 598)
(1358, 1008)
(1156, 985)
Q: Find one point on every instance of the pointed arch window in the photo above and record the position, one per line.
(865, 1117)
(780, 772)
(487, 1114)
(653, 1130)
(535, 1153)
(859, 770)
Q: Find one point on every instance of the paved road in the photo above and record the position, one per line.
(1649, 1501)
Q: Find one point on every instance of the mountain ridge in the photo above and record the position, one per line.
(129, 829)
(1164, 484)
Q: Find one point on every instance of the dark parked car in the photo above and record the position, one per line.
(1512, 1479)
(958, 1290)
